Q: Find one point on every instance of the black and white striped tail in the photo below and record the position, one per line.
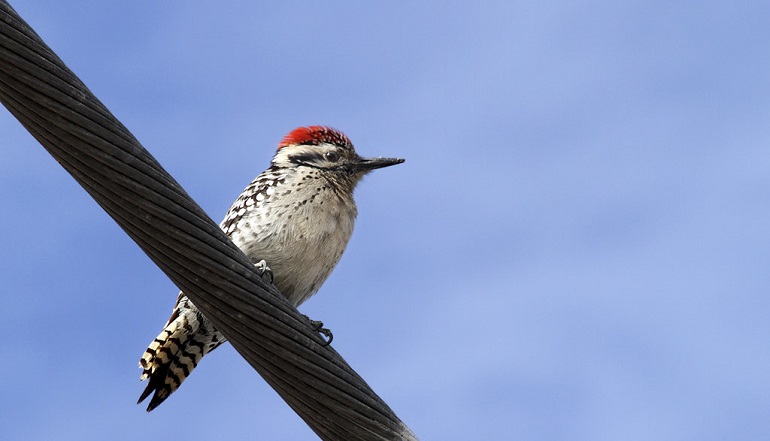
(176, 351)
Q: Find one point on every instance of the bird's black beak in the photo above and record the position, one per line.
(368, 164)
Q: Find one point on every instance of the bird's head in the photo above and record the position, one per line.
(327, 150)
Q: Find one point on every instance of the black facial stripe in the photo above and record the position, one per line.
(315, 160)
(306, 158)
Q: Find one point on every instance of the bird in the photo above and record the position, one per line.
(297, 216)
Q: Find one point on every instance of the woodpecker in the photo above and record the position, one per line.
(297, 216)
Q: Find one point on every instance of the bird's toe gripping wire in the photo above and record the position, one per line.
(264, 272)
(318, 326)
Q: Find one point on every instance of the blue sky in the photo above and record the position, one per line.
(577, 247)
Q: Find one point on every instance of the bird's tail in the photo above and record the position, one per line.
(176, 351)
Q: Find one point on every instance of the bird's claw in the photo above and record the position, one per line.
(318, 326)
(264, 272)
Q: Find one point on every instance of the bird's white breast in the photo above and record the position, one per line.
(300, 233)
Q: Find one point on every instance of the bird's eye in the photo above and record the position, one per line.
(332, 156)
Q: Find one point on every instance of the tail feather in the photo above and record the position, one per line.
(176, 351)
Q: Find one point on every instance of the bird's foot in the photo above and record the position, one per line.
(318, 326)
(264, 272)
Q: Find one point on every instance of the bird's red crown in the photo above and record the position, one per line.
(315, 135)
